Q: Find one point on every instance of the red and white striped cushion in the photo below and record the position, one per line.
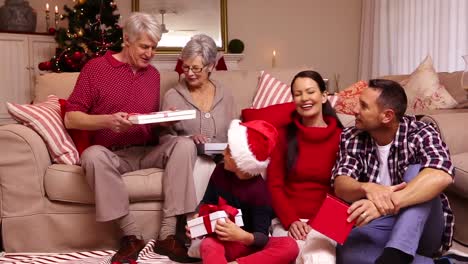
(45, 119)
(271, 91)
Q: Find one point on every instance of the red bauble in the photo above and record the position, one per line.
(45, 66)
(69, 62)
(52, 30)
(77, 56)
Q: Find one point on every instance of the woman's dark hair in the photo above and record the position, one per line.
(327, 110)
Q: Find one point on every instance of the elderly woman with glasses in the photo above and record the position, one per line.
(215, 109)
(213, 102)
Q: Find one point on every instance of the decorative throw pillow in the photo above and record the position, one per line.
(278, 115)
(424, 90)
(348, 98)
(271, 91)
(81, 138)
(45, 119)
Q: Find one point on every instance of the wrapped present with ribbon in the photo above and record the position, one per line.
(209, 214)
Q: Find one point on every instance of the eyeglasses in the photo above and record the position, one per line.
(195, 69)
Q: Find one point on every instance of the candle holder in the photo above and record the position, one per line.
(47, 20)
(56, 20)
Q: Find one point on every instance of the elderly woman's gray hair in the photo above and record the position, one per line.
(138, 23)
(200, 45)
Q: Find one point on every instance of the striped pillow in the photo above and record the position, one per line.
(45, 119)
(271, 91)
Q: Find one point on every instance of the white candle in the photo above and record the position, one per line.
(47, 6)
(273, 59)
(56, 9)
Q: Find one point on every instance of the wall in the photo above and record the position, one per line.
(323, 34)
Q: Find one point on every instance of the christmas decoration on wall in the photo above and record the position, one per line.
(93, 29)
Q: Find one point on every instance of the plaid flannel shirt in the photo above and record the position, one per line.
(415, 143)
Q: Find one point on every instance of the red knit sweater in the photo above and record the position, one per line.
(300, 192)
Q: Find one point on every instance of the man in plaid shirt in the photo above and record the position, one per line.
(393, 169)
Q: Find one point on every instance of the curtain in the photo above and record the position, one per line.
(396, 35)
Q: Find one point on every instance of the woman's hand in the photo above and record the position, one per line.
(200, 139)
(299, 230)
(229, 231)
(363, 211)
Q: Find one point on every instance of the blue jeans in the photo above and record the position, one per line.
(416, 230)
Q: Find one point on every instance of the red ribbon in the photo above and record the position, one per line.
(206, 209)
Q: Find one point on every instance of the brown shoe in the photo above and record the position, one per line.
(130, 247)
(174, 249)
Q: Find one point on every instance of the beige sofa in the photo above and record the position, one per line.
(47, 207)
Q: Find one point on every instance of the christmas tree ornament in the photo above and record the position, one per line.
(52, 31)
(92, 30)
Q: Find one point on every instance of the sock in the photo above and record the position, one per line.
(392, 256)
(168, 227)
(128, 226)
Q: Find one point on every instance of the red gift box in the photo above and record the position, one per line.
(331, 219)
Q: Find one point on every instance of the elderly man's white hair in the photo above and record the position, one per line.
(138, 23)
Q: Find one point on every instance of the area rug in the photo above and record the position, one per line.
(147, 256)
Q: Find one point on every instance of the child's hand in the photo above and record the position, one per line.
(299, 230)
(229, 231)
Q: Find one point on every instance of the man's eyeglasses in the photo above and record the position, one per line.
(195, 69)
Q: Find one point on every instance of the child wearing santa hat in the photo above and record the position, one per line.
(239, 180)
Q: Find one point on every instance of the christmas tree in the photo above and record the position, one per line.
(92, 30)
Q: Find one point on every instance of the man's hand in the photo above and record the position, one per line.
(299, 230)
(118, 122)
(229, 231)
(381, 196)
(363, 211)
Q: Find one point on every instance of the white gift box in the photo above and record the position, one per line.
(163, 116)
(197, 227)
(211, 148)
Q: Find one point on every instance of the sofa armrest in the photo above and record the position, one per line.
(23, 163)
(453, 129)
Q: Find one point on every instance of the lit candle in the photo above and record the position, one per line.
(56, 17)
(47, 16)
(273, 59)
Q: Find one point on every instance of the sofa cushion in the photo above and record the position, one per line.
(45, 118)
(452, 82)
(60, 84)
(67, 183)
(271, 91)
(278, 115)
(348, 99)
(460, 186)
(424, 90)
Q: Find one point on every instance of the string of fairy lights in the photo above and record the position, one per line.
(79, 43)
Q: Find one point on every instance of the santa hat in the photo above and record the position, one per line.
(251, 144)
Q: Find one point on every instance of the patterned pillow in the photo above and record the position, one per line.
(45, 119)
(424, 90)
(271, 91)
(348, 99)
